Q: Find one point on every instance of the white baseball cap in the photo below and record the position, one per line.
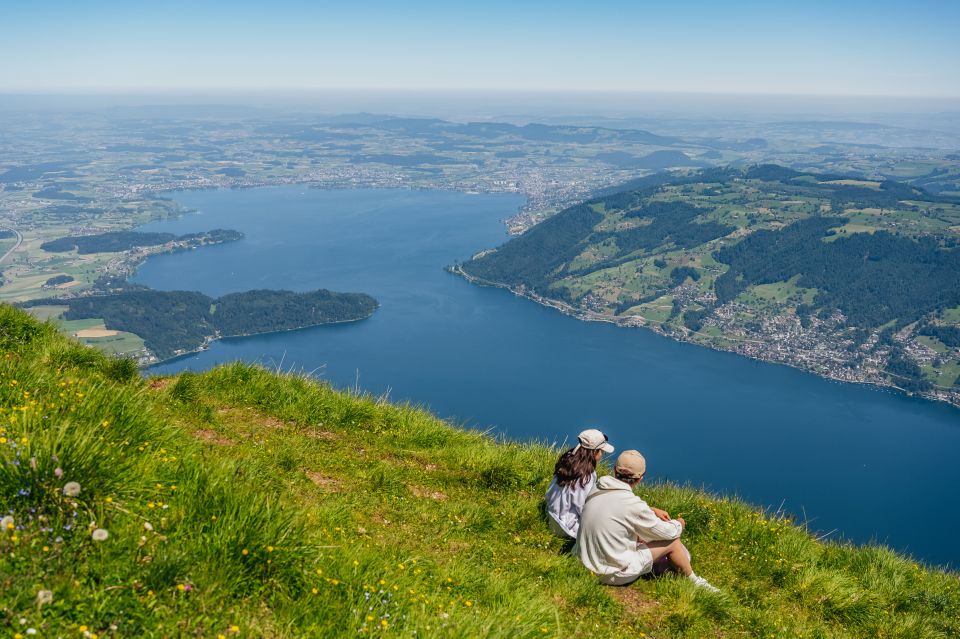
(593, 439)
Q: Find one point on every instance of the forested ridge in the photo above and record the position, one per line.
(874, 255)
(173, 322)
(115, 241)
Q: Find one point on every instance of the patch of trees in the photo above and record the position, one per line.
(671, 223)
(772, 173)
(887, 196)
(263, 311)
(174, 322)
(949, 335)
(693, 319)
(56, 280)
(532, 258)
(907, 375)
(872, 279)
(679, 275)
(115, 241)
(106, 242)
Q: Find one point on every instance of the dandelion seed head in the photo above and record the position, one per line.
(100, 534)
(44, 597)
(71, 489)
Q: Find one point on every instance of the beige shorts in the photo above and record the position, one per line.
(640, 565)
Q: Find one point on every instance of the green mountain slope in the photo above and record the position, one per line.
(245, 503)
(851, 278)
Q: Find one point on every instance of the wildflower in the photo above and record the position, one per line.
(234, 628)
(58, 472)
(71, 489)
(147, 525)
(8, 523)
(44, 597)
(244, 552)
(100, 534)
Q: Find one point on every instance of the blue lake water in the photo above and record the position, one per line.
(870, 464)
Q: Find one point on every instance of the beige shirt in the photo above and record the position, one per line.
(613, 519)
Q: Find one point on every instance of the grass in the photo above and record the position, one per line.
(122, 343)
(242, 502)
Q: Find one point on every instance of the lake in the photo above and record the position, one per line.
(859, 462)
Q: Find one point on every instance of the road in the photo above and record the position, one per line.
(15, 246)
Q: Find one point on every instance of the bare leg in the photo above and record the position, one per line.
(675, 551)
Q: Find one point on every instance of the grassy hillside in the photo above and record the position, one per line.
(243, 503)
(854, 279)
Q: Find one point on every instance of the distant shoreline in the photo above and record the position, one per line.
(641, 322)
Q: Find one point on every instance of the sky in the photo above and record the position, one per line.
(853, 48)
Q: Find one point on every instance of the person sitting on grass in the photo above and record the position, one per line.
(621, 537)
(574, 476)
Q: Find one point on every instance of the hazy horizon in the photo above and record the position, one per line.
(866, 49)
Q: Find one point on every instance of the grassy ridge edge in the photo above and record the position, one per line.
(243, 502)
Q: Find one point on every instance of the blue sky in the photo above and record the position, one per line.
(833, 48)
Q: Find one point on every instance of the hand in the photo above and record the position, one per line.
(661, 514)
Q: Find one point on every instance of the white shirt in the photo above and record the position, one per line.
(612, 520)
(564, 504)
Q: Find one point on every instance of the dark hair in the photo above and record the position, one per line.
(575, 465)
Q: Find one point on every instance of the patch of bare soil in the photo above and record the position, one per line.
(160, 384)
(420, 491)
(322, 434)
(326, 482)
(634, 602)
(212, 437)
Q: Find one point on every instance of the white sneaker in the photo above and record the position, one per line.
(703, 583)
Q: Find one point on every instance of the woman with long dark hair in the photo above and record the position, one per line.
(574, 476)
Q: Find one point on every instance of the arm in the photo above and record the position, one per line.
(649, 527)
(661, 514)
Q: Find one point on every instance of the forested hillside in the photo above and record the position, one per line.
(115, 241)
(174, 322)
(854, 278)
